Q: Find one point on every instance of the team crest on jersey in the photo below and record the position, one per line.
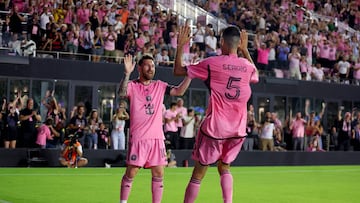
(133, 157)
(149, 107)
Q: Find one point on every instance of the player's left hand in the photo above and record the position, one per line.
(129, 64)
(184, 36)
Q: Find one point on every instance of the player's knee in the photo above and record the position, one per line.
(131, 172)
(199, 172)
(157, 172)
(223, 168)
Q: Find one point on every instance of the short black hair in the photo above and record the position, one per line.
(145, 57)
(49, 121)
(231, 36)
(173, 104)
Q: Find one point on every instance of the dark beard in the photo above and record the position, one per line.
(147, 76)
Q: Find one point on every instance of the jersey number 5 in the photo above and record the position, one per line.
(233, 87)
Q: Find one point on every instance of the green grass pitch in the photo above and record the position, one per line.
(305, 184)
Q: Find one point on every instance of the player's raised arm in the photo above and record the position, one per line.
(129, 68)
(243, 47)
(183, 38)
(180, 89)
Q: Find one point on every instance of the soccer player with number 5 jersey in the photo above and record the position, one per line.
(223, 129)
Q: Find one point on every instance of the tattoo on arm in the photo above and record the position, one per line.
(123, 85)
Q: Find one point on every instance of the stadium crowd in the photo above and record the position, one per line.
(289, 41)
(22, 126)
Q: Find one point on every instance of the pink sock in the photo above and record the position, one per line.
(192, 190)
(157, 188)
(226, 181)
(126, 184)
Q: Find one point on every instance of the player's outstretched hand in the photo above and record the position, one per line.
(129, 64)
(184, 35)
(243, 45)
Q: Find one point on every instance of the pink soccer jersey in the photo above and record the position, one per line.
(228, 78)
(146, 103)
(183, 112)
(171, 126)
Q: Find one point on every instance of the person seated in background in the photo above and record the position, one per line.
(279, 144)
(72, 153)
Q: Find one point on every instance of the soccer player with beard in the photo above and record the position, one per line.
(223, 130)
(146, 141)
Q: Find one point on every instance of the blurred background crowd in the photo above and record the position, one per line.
(300, 39)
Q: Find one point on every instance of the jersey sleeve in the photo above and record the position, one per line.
(199, 70)
(254, 78)
(168, 89)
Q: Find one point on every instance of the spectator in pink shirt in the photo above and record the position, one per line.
(309, 45)
(294, 63)
(305, 68)
(69, 14)
(110, 38)
(171, 117)
(131, 4)
(214, 7)
(144, 23)
(317, 73)
(323, 56)
(83, 14)
(262, 55)
(332, 56)
(310, 5)
(357, 72)
(157, 35)
(297, 127)
(46, 132)
(140, 41)
(182, 111)
(102, 11)
(173, 37)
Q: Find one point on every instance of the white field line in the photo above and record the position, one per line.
(169, 172)
(4, 201)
